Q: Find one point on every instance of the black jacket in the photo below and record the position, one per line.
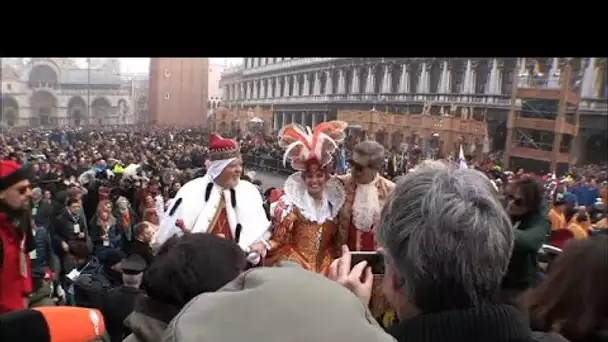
(487, 323)
(62, 229)
(43, 212)
(41, 260)
(118, 303)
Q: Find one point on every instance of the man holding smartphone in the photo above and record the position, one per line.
(366, 192)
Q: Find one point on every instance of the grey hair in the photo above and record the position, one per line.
(373, 150)
(37, 192)
(447, 236)
(132, 280)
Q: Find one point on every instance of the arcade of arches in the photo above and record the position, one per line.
(443, 134)
(100, 109)
(42, 76)
(44, 108)
(77, 111)
(231, 121)
(10, 111)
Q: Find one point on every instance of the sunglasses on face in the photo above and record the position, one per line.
(516, 201)
(23, 189)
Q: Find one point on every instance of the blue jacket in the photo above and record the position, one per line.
(585, 195)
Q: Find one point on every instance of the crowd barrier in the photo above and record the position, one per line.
(266, 163)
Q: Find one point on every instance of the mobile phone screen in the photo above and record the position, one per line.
(375, 260)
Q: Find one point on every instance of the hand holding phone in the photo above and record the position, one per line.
(375, 260)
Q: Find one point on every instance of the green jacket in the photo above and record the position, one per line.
(530, 235)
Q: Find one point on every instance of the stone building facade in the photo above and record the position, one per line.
(309, 90)
(57, 92)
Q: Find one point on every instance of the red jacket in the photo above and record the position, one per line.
(15, 278)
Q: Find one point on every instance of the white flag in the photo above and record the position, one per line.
(462, 163)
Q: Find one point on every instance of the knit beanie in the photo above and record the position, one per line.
(11, 173)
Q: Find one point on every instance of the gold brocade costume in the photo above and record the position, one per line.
(348, 234)
(307, 243)
(302, 232)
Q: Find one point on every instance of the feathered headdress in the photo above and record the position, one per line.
(303, 144)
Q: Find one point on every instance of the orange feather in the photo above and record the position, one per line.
(290, 134)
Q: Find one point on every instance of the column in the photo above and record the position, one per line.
(524, 75)
(275, 121)
(589, 79)
(241, 91)
(422, 79)
(284, 122)
(354, 85)
(305, 91)
(341, 82)
(443, 80)
(248, 91)
(314, 120)
(256, 89)
(490, 90)
(404, 81)
(467, 78)
(296, 85)
(427, 78)
(499, 73)
(328, 83)
(553, 79)
(263, 89)
(277, 87)
(286, 86)
(317, 85)
(325, 117)
(387, 84)
(370, 83)
(270, 89)
(246, 62)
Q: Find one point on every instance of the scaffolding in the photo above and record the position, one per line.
(543, 121)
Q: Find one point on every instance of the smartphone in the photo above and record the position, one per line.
(375, 260)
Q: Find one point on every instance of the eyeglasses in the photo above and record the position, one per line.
(22, 190)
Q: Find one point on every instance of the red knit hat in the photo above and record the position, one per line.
(222, 148)
(11, 173)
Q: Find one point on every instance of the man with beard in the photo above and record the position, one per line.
(16, 237)
(220, 203)
(366, 191)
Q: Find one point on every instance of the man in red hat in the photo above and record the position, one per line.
(220, 203)
(16, 239)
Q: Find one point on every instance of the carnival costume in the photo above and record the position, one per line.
(357, 224)
(304, 231)
(202, 206)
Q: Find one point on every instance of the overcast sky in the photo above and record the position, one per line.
(138, 65)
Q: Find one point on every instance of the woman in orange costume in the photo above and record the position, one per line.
(304, 228)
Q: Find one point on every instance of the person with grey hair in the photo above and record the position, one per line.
(42, 209)
(447, 242)
(366, 191)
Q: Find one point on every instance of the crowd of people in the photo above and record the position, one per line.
(151, 234)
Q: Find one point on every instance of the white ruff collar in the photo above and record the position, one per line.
(296, 194)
